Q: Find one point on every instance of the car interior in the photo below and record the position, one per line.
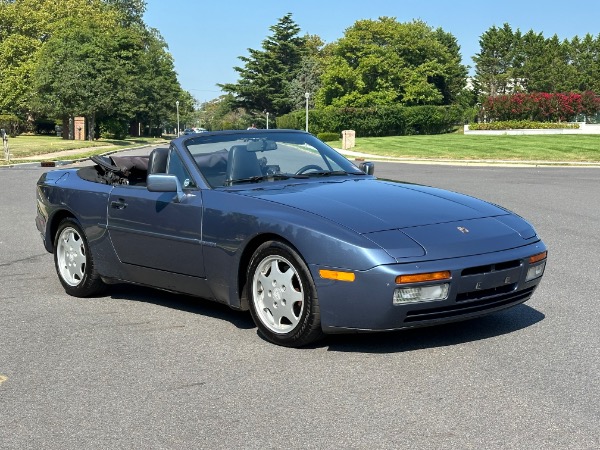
(218, 168)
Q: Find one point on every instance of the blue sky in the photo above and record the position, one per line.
(206, 37)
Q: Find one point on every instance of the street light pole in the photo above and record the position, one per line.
(307, 96)
(267, 121)
(177, 104)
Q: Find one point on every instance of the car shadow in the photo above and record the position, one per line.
(493, 325)
(181, 302)
(497, 324)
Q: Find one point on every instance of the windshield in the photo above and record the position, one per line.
(239, 157)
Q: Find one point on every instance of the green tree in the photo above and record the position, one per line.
(452, 84)
(308, 80)
(382, 62)
(586, 63)
(128, 73)
(555, 72)
(156, 87)
(86, 69)
(511, 62)
(223, 113)
(528, 62)
(495, 62)
(131, 12)
(25, 26)
(264, 81)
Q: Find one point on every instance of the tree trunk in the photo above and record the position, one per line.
(65, 127)
(91, 126)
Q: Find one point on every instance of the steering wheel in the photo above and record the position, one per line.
(303, 169)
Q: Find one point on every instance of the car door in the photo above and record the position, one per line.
(152, 230)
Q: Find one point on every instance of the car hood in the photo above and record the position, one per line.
(406, 220)
(373, 205)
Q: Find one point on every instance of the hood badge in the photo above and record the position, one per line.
(463, 230)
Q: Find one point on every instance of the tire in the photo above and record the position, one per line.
(73, 261)
(282, 296)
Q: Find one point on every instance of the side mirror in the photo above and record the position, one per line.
(367, 167)
(165, 183)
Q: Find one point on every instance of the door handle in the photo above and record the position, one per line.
(119, 204)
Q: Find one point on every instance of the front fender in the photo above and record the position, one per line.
(232, 221)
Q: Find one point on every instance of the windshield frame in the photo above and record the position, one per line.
(211, 153)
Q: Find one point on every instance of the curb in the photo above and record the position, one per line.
(358, 156)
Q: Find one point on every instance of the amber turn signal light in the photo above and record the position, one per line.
(420, 277)
(337, 275)
(535, 258)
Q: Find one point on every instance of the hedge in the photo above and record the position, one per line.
(376, 121)
(521, 125)
(328, 137)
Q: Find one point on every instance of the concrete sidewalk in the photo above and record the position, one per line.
(60, 154)
(52, 159)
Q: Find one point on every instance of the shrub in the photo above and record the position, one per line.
(111, 128)
(45, 126)
(521, 125)
(328, 136)
(292, 121)
(377, 121)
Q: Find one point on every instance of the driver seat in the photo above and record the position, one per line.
(157, 162)
(242, 164)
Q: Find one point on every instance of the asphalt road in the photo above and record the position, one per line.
(141, 369)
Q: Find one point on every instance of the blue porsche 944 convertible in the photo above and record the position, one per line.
(279, 223)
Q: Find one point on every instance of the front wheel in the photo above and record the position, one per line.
(283, 298)
(73, 261)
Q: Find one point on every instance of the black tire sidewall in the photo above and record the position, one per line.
(91, 283)
(309, 328)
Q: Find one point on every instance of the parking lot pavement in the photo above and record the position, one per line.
(139, 368)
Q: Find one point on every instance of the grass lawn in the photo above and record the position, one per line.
(549, 148)
(26, 146)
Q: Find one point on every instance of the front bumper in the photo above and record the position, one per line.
(480, 285)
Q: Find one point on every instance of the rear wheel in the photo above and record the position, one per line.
(73, 261)
(283, 298)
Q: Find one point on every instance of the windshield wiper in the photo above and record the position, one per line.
(327, 173)
(259, 178)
